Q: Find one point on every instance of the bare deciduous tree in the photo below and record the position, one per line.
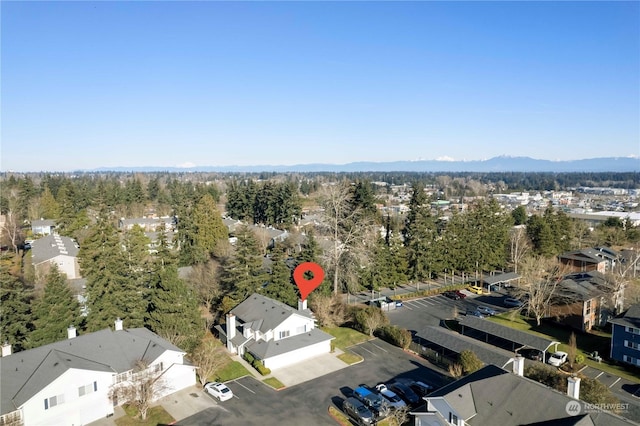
(204, 280)
(399, 415)
(349, 230)
(572, 349)
(455, 370)
(520, 246)
(329, 310)
(143, 386)
(541, 278)
(209, 358)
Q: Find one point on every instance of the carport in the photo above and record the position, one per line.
(498, 279)
(447, 341)
(508, 334)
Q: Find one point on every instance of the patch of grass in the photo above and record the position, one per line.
(339, 416)
(345, 337)
(587, 342)
(350, 358)
(274, 383)
(231, 371)
(155, 416)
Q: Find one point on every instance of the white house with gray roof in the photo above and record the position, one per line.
(273, 332)
(59, 250)
(70, 382)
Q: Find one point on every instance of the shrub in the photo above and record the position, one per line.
(579, 358)
(261, 368)
(469, 361)
(367, 320)
(395, 335)
(249, 358)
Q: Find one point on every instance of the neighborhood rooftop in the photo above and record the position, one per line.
(507, 333)
(264, 313)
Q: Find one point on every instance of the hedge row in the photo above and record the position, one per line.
(395, 335)
(257, 364)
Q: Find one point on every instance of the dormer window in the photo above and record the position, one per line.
(284, 334)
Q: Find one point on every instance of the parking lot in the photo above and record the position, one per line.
(308, 403)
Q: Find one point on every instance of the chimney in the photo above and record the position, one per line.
(231, 330)
(6, 349)
(71, 332)
(518, 365)
(573, 387)
(118, 324)
(302, 304)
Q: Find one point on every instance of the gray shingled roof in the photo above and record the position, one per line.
(631, 317)
(272, 348)
(51, 246)
(43, 222)
(508, 333)
(457, 343)
(500, 278)
(265, 313)
(502, 398)
(26, 373)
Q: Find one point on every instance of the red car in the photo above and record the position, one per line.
(461, 294)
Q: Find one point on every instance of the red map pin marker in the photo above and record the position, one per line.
(304, 285)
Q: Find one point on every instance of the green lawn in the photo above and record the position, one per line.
(274, 383)
(350, 358)
(339, 416)
(231, 371)
(345, 337)
(587, 342)
(155, 416)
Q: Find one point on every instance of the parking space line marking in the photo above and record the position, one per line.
(365, 349)
(617, 380)
(404, 305)
(424, 302)
(236, 382)
(601, 373)
(382, 349)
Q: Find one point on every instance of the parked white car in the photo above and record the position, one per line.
(394, 400)
(558, 358)
(218, 390)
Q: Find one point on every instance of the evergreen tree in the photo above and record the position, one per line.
(113, 291)
(15, 312)
(519, 215)
(173, 313)
(420, 236)
(281, 286)
(55, 311)
(209, 228)
(243, 273)
(49, 205)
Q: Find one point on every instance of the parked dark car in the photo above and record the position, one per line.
(374, 401)
(510, 302)
(420, 388)
(359, 412)
(452, 295)
(405, 392)
(532, 354)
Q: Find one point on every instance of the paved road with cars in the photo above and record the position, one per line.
(308, 403)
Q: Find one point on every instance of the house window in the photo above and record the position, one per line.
(87, 389)
(631, 360)
(588, 311)
(632, 345)
(123, 377)
(156, 368)
(453, 419)
(301, 329)
(632, 330)
(53, 401)
(283, 334)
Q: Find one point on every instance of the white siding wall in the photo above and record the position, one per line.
(175, 376)
(75, 410)
(298, 355)
(291, 324)
(67, 265)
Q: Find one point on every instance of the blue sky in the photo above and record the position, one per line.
(106, 84)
